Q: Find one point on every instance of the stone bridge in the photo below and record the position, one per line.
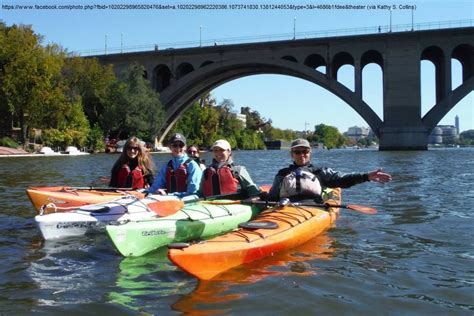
(181, 76)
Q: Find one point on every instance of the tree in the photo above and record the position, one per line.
(86, 78)
(328, 135)
(133, 107)
(31, 81)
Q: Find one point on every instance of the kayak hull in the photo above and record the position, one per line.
(67, 198)
(93, 218)
(296, 225)
(195, 221)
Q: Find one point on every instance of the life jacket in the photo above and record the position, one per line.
(300, 182)
(177, 180)
(127, 178)
(219, 181)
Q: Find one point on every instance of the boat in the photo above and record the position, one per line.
(93, 218)
(275, 229)
(66, 198)
(194, 221)
(73, 151)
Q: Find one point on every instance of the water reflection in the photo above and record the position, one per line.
(142, 281)
(300, 261)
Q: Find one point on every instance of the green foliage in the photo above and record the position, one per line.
(53, 137)
(95, 139)
(203, 123)
(8, 142)
(133, 107)
(328, 135)
(466, 138)
(91, 81)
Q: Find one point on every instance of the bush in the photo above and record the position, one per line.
(95, 139)
(8, 142)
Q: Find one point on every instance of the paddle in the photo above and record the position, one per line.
(98, 188)
(353, 207)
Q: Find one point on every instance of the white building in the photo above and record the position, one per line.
(355, 132)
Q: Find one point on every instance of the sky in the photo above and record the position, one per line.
(89, 27)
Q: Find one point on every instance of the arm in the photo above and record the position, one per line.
(246, 182)
(113, 178)
(274, 194)
(160, 181)
(334, 179)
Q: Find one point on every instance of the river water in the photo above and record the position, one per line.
(415, 257)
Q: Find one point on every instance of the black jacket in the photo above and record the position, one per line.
(327, 177)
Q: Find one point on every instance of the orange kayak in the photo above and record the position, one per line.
(65, 198)
(294, 226)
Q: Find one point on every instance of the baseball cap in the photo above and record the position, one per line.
(177, 137)
(221, 143)
(300, 142)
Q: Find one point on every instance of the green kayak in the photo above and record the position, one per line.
(194, 221)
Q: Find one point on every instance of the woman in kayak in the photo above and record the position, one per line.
(193, 153)
(223, 177)
(134, 168)
(181, 175)
(302, 180)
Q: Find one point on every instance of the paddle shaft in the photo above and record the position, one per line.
(359, 208)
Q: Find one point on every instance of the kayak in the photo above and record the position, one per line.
(93, 218)
(194, 221)
(66, 198)
(273, 230)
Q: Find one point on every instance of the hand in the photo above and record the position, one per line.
(379, 176)
(161, 192)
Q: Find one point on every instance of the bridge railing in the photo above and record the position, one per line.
(280, 37)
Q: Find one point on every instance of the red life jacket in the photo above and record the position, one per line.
(220, 181)
(133, 178)
(177, 180)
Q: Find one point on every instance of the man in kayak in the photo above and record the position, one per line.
(302, 180)
(181, 176)
(223, 177)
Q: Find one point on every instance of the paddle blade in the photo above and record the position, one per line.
(165, 208)
(265, 187)
(361, 209)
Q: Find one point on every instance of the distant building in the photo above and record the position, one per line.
(443, 134)
(240, 117)
(355, 132)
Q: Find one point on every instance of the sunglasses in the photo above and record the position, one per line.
(300, 152)
(133, 148)
(192, 151)
(177, 145)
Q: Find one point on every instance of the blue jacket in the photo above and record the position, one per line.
(194, 176)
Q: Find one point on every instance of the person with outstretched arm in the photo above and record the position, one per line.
(303, 181)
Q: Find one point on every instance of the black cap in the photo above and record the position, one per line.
(177, 137)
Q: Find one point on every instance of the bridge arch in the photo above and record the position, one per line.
(464, 53)
(371, 57)
(161, 77)
(183, 69)
(339, 60)
(188, 89)
(436, 55)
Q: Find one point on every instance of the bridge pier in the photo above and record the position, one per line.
(403, 138)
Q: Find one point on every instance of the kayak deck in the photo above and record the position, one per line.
(65, 198)
(296, 225)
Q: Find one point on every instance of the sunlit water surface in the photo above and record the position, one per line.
(416, 256)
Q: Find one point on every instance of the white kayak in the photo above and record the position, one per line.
(93, 218)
